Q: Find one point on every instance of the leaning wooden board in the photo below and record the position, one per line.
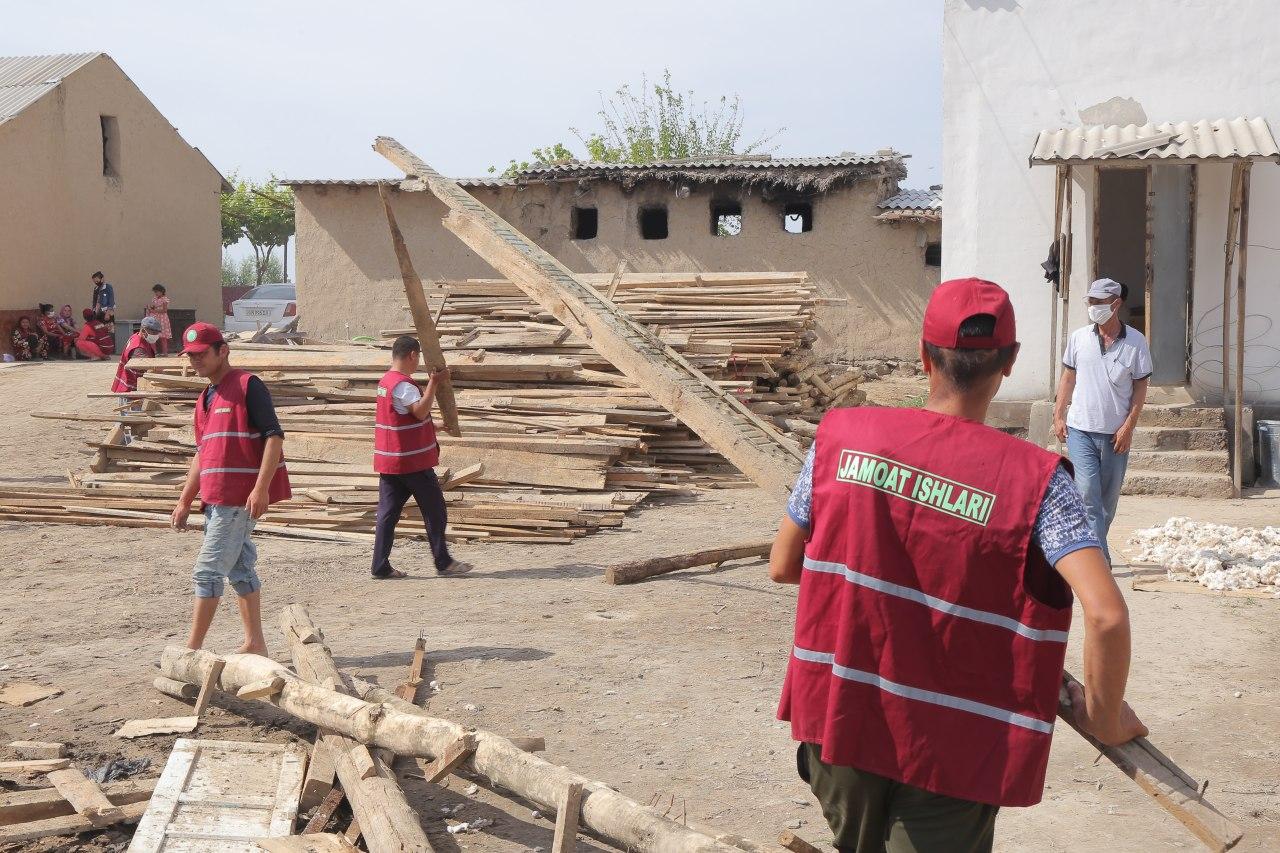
(218, 796)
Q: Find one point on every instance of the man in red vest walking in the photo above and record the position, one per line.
(936, 559)
(238, 470)
(405, 453)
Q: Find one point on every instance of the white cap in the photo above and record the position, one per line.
(1104, 287)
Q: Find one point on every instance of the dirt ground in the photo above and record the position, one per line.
(666, 689)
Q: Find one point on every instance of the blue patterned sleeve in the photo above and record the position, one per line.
(800, 504)
(1061, 526)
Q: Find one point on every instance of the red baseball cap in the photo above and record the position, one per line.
(200, 336)
(957, 300)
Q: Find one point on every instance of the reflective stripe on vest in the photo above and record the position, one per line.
(430, 447)
(931, 696)
(402, 444)
(230, 449)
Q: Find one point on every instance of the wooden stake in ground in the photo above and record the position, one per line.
(408, 689)
(796, 844)
(623, 573)
(1169, 785)
(432, 355)
(566, 837)
(206, 689)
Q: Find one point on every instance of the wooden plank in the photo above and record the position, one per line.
(456, 753)
(86, 797)
(1166, 783)
(210, 684)
(756, 448)
(34, 765)
(20, 694)
(261, 689)
(319, 779)
(428, 338)
(217, 795)
(567, 815)
(158, 726)
(408, 689)
(319, 842)
(795, 843)
(38, 749)
(68, 825)
(43, 803)
(324, 814)
(630, 572)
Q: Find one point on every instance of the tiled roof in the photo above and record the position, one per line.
(930, 199)
(1220, 139)
(26, 79)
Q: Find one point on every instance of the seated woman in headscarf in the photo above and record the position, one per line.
(28, 342)
(95, 341)
(66, 321)
(60, 343)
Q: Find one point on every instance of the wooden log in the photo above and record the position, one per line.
(86, 797)
(567, 814)
(38, 749)
(386, 819)
(1167, 784)
(624, 573)
(176, 689)
(428, 338)
(43, 803)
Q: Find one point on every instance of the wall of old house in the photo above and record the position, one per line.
(61, 218)
(1012, 69)
(874, 272)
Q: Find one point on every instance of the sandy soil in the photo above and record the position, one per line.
(665, 690)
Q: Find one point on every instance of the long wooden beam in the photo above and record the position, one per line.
(719, 418)
(1242, 269)
(637, 570)
(428, 337)
(1166, 783)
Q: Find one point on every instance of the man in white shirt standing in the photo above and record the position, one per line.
(405, 453)
(1107, 366)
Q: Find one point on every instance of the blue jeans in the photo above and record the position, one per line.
(226, 553)
(1099, 476)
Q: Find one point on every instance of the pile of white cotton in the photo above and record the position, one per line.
(1216, 556)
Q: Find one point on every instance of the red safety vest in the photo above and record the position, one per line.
(924, 649)
(127, 380)
(402, 444)
(230, 450)
(101, 335)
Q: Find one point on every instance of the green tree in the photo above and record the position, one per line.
(244, 273)
(659, 123)
(261, 213)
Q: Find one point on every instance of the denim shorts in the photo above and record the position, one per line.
(227, 553)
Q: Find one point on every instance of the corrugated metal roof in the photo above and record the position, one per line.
(749, 161)
(1221, 139)
(391, 182)
(26, 79)
(930, 199)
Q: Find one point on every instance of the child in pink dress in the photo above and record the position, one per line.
(159, 308)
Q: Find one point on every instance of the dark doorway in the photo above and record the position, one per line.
(586, 223)
(1120, 253)
(653, 223)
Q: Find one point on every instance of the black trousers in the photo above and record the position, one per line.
(394, 491)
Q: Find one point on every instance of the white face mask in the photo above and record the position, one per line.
(151, 339)
(1100, 313)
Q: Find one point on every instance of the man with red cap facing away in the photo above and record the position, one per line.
(936, 559)
(238, 470)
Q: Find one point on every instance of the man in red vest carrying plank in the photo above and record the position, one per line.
(142, 344)
(405, 454)
(238, 471)
(936, 559)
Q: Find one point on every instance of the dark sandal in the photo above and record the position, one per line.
(394, 574)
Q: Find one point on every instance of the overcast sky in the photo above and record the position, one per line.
(302, 88)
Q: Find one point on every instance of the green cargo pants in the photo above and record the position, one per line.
(871, 814)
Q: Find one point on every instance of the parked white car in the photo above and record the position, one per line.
(267, 305)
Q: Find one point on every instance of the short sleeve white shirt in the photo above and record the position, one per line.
(403, 396)
(1104, 379)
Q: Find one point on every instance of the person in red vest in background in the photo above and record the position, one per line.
(96, 341)
(142, 344)
(405, 453)
(936, 559)
(238, 470)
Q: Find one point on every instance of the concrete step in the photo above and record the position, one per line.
(1179, 438)
(1188, 417)
(1177, 484)
(1189, 461)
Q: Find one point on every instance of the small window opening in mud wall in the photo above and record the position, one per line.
(933, 254)
(110, 146)
(797, 218)
(585, 223)
(653, 223)
(726, 219)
